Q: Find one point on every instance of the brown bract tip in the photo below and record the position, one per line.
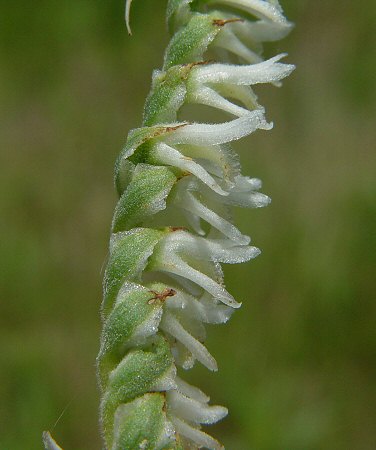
(177, 228)
(186, 68)
(176, 127)
(222, 22)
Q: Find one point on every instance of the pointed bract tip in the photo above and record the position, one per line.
(49, 442)
(127, 13)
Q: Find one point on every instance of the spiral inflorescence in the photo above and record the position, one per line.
(172, 227)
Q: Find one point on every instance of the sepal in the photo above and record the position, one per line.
(142, 424)
(129, 253)
(144, 196)
(134, 318)
(139, 370)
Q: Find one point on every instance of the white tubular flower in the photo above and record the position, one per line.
(173, 327)
(264, 72)
(179, 253)
(187, 199)
(203, 134)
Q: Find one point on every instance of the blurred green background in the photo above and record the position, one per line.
(297, 362)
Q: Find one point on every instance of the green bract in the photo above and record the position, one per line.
(139, 372)
(129, 253)
(145, 195)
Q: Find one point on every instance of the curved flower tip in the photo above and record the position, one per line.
(127, 14)
(49, 442)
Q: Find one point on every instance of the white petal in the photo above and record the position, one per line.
(219, 160)
(212, 134)
(186, 284)
(191, 391)
(207, 96)
(193, 410)
(167, 259)
(175, 265)
(215, 313)
(168, 155)
(204, 310)
(263, 72)
(199, 437)
(172, 326)
(183, 357)
(243, 193)
(229, 41)
(262, 30)
(221, 250)
(190, 203)
(241, 93)
(193, 220)
(246, 184)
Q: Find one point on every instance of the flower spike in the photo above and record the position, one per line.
(172, 227)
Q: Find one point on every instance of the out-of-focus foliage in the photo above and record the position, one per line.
(297, 361)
